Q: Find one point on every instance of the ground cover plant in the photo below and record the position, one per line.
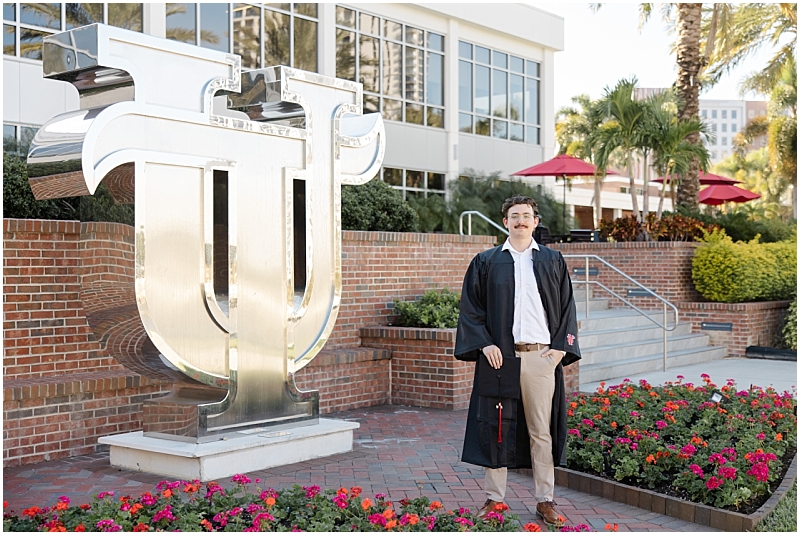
(722, 447)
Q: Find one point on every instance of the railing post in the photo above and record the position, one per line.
(461, 225)
(586, 291)
(665, 336)
(469, 224)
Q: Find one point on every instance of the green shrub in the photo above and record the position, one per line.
(377, 206)
(790, 327)
(437, 310)
(432, 212)
(739, 227)
(730, 272)
(671, 227)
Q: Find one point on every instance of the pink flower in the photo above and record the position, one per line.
(661, 424)
(716, 458)
(108, 525)
(104, 494)
(634, 414)
(713, 483)
(696, 470)
(494, 515)
(760, 471)
(241, 479)
(634, 446)
(166, 513)
(760, 436)
(311, 491)
(727, 472)
(463, 521)
(588, 422)
(377, 518)
(688, 450)
(704, 376)
(730, 452)
(574, 432)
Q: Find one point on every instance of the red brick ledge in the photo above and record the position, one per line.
(755, 305)
(625, 245)
(374, 236)
(349, 355)
(666, 505)
(74, 383)
(46, 226)
(408, 333)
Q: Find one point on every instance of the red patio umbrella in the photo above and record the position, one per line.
(718, 194)
(709, 179)
(563, 166)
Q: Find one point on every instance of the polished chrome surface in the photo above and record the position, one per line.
(163, 117)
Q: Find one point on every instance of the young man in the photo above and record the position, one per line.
(518, 323)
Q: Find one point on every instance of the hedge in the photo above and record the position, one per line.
(729, 272)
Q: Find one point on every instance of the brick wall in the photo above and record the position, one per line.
(754, 324)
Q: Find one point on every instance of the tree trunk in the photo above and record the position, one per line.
(688, 44)
(598, 207)
(634, 201)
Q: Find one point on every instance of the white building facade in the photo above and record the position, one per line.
(724, 118)
(459, 85)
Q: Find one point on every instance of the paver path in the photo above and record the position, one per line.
(400, 451)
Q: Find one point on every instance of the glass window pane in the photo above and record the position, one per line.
(45, 15)
(532, 68)
(9, 12)
(345, 17)
(305, 45)
(247, 35)
(465, 86)
(181, 23)
(516, 132)
(516, 64)
(465, 123)
(482, 126)
(436, 42)
(393, 69)
(464, 50)
(276, 38)
(516, 97)
(393, 177)
(499, 129)
(500, 60)
(9, 131)
(392, 110)
(83, 14)
(214, 24)
(393, 30)
(414, 36)
(26, 134)
(414, 114)
(481, 54)
(499, 93)
(481, 89)
(346, 54)
(414, 179)
(284, 7)
(371, 104)
(435, 78)
(414, 194)
(370, 24)
(531, 101)
(415, 74)
(9, 40)
(369, 54)
(532, 136)
(30, 43)
(128, 16)
(309, 10)
(435, 117)
(435, 181)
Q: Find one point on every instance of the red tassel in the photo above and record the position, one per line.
(500, 422)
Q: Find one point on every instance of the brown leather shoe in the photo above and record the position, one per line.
(490, 505)
(547, 510)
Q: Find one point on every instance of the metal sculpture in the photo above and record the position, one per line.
(236, 179)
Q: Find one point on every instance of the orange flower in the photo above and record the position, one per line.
(413, 519)
(61, 506)
(206, 524)
(58, 527)
(80, 527)
(388, 514)
(561, 519)
(650, 459)
(390, 524)
(342, 490)
(135, 509)
(191, 488)
(532, 527)
(779, 437)
(436, 505)
(653, 394)
(573, 405)
(355, 491)
(611, 527)
(614, 425)
(598, 416)
(500, 507)
(167, 493)
(366, 504)
(270, 501)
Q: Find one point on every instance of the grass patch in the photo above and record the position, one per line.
(784, 516)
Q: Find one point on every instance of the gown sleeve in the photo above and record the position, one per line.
(472, 334)
(566, 336)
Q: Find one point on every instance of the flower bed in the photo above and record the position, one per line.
(677, 440)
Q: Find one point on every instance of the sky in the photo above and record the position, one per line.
(602, 48)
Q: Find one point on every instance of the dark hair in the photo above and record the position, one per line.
(520, 199)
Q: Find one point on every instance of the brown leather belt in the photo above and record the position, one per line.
(524, 348)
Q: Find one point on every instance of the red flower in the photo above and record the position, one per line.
(500, 507)
(85, 506)
(611, 527)
(531, 527)
(141, 527)
(80, 527)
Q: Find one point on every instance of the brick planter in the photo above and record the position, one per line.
(674, 507)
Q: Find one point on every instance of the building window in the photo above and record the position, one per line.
(400, 66)
(724, 114)
(213, 20)
(724, 127)
(21, 134)
(498, 94)
(713, 114)
(733, 114)
(276, 34)
(733, 127)
(25, 25)
(714, 127)
(414, 184)
(751, 113)
(714, 155)
(724, 141)
(703, 113)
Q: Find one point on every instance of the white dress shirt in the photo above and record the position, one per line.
(530, 321)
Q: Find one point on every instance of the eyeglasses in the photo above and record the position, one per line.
(524, 217)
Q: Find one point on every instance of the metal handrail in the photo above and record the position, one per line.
(469, 214)
(615, 294)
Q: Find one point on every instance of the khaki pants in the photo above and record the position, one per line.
(537, 383)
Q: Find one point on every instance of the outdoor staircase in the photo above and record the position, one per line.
(618, 342)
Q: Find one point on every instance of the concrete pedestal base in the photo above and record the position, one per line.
(225, 458)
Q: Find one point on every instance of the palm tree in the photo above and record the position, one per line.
(756, 174)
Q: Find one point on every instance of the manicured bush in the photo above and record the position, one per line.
(740, 227)
(674, 439)
(377, 206)
(671, 227)
(433, 310)
(790, 327)
(729, 272)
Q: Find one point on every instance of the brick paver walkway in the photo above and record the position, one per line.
(400, 451)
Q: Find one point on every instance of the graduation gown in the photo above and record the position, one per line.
(496, 438)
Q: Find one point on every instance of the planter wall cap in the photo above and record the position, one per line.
(375, 236)
(756, 352)
(408, 333)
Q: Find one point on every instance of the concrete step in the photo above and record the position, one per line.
(624, 349)
(616, 318)
(579, 292)
(592, 339)
(649, 363)
(594, 304)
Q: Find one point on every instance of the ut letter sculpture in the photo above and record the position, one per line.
(236, 179)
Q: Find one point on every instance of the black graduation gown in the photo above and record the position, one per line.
(487, 317)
